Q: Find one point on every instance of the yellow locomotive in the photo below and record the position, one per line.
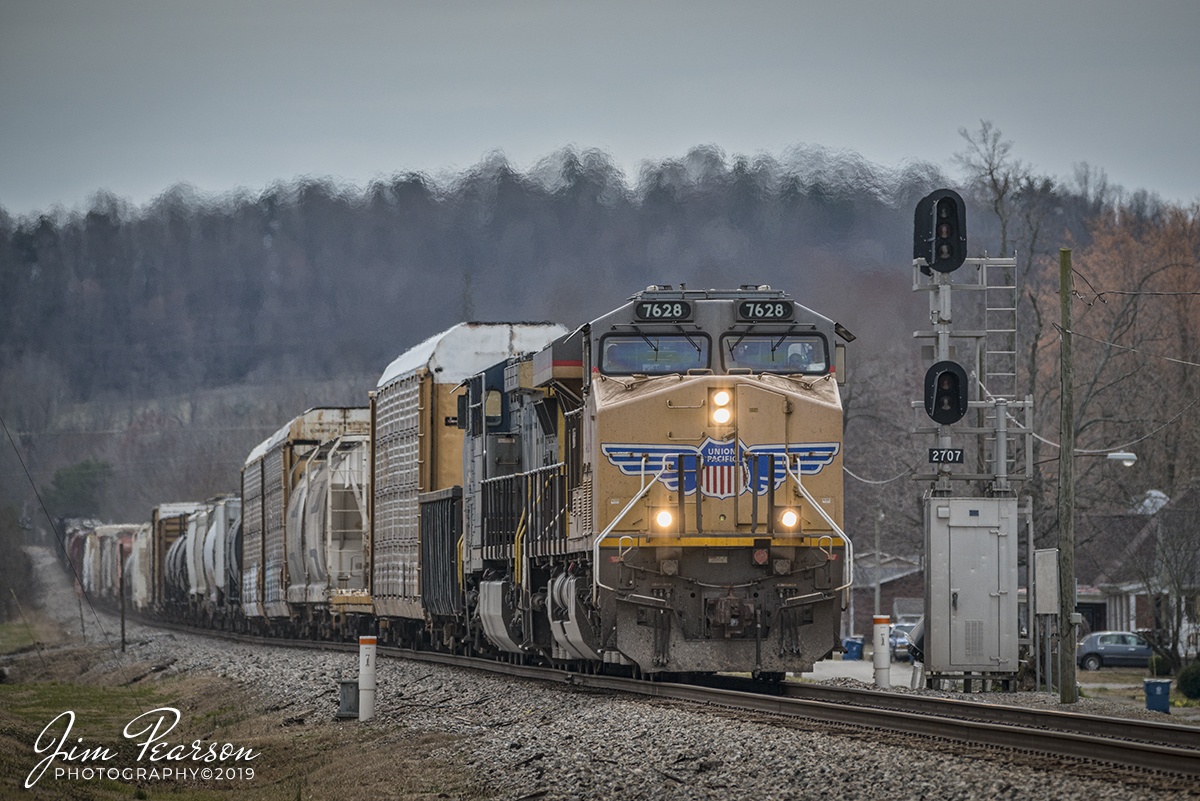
(659, 489)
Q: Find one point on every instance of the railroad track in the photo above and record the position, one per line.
(1126, 743)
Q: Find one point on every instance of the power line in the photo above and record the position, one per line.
(850, 473)
(1125, 347)
(62, 546)
(1114, 449)
(1130, 292)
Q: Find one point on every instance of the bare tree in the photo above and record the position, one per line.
(880, 453)
(1169, 573)
(993, 174)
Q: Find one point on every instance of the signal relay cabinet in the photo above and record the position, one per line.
(971, 585)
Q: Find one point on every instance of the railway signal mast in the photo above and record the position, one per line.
(971, 629)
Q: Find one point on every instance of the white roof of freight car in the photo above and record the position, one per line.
(260, 450)
(285, 430)
(468, 348)
(166, 510)
(117, 529)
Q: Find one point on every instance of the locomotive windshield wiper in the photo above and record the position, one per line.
(739, 339)
(791, 330)
(648, 342)
(689, 339)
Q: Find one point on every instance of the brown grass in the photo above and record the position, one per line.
(314, 758)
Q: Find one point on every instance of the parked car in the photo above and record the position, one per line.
(1112, 648)
(898, 641)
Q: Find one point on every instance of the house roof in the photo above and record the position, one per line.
(890, 567)
(1104, 545)
(1125, 549)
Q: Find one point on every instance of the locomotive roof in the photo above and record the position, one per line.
(465, 349)
(745, 292)
(666, 292)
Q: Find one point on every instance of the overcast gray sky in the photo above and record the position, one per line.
(136, 95)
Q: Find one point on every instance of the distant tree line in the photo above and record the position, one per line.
(322, 279)
(315, 283)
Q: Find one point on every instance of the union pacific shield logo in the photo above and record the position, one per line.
(724, 466)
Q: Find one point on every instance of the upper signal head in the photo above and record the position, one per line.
(940, 231)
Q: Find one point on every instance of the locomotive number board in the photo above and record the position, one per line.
(765, 310)
(663, 310)
(945, 455)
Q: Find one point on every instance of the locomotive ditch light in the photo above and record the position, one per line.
(721, 401)
(788, 518)
(663, 519)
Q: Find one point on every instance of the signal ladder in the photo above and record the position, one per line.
(998, 357)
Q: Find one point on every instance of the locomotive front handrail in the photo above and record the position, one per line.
(849, 545)
(596, 585)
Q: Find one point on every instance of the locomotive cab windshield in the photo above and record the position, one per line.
(775, 353)
(653, 353)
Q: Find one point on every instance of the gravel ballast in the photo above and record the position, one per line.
(528, 739)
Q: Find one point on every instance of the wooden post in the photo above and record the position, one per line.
(1066, 493)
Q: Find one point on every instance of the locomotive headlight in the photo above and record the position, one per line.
(789, 518)
(663, 518)
(721, 401)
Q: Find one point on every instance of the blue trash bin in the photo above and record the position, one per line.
(1158, 695)
(853, 649)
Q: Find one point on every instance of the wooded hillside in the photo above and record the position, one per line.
(169, 339)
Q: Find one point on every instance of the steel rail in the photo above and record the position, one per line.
(1077, 722)
(1154, 746)
(1138, 744)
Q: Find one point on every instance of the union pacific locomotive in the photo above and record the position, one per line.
(657, 491)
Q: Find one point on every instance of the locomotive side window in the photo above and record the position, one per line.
(625, 354)
(493, 408)
(773, 353)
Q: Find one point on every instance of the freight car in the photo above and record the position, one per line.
(202, 564)
(657, 491)
(304, 500)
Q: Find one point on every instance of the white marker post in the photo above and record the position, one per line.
(882, 656)
(366, 678)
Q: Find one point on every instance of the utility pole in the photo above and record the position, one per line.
(1066, 493)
